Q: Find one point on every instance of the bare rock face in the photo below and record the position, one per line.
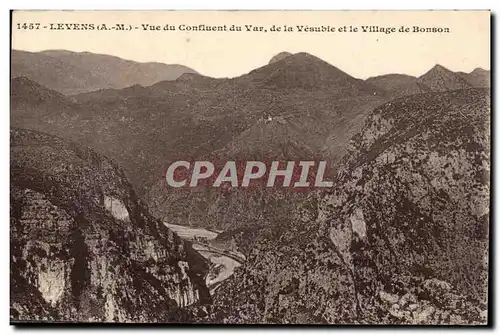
(417, 180)
(83, 246)
(402, 237)
(305, 71)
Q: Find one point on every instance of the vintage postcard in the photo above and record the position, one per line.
(250, 167)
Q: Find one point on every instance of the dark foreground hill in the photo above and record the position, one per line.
(402, 237)
(83, 246)
(75, 72)
(294, 108)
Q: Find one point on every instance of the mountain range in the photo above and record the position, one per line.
(295, 106)
(437, 79)
(76, 72)
(312, 257)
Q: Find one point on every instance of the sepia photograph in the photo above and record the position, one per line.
(250, 167)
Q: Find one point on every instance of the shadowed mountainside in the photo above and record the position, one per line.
(440, 79)
(294, 108)
(146, 128)
(477, 78)
(402, 237)
(305, 71)
(84, 247)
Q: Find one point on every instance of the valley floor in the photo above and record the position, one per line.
(223, 260)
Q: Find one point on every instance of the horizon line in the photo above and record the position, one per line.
(292, 54)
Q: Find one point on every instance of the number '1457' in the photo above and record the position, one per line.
(28, 26)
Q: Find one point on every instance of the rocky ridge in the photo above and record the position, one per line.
(401, 238)
(84, 247)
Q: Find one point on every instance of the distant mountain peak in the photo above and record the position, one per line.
(478, 77)
(479, 70)
(438, 68)
(70, 72)
(440, 78)
(280, 56)
(304, 56)
(305, 71)
(303, 60)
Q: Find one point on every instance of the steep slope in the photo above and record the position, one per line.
(191, 80)
(440, 79)
(138, 128)
(83, 246)
(145, 128)
(268, 140)
(76, 72)
(185, 84)
(194, 117)
(294, 126)
(275, 137)
(305, 71)
(24, 89)
(413, 88)
(437, 79)
(303, 122)
(401, 238)
(35, 106)
(477, 78)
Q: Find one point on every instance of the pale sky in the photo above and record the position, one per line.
(230, 54)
